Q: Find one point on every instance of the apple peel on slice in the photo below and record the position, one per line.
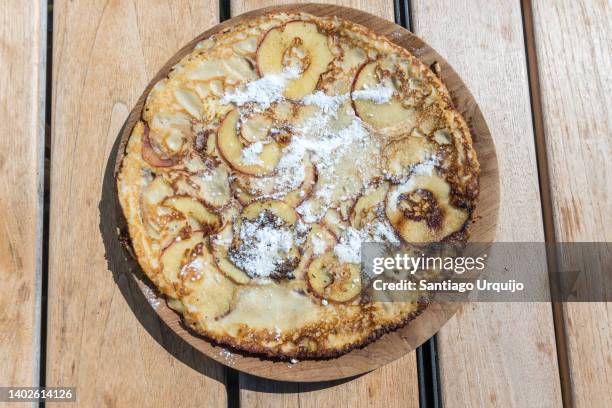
(231, 149)
(299, 40)
(149, 154)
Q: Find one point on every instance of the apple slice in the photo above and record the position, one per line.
(149, 155)
(207, 293)
(276, 207)
(151, 198)
(402, 154)
(220, 247)
(189, 206)
(210, 186)
(297, 44)
(170, 133)
(249, 188)
(189, 101)
(225, 240)
(231, 149)
(376, 111)
(331, 279)
(319, 241)
(189, 266)
(420, 210)
(364, 210)
(256, 128)
(162, 223)
(175, 255)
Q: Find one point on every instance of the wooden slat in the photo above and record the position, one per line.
(382, 8)
(104, 53)
(22, 93)
(573, 53)
(496, 354)
(394, 385)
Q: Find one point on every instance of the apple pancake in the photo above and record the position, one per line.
(267, 157)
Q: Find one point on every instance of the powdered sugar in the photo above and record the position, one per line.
(290, 169)
(250, 154)
(382, 231)
(196, 266)
(262, 92)
(349, 248)
(427, 167)
(311, 213)
(265, 245)
(327, 103)
(228, 356)
(323, 142)
(151, 297)
(318, 245)
(379, 94)
(329, 136)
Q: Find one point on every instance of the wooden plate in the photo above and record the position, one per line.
(392, 345)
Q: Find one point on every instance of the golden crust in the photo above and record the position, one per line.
(184, 114)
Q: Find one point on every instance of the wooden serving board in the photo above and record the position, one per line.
(392, 345)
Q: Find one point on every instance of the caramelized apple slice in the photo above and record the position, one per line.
(420, 210)
(249, 188)
(364, 210)
(210, 186)
(175, 255)
(400, 155)
(189, 206)
(204, 288)
(376, 109)
(331, 279)
(190, 267)
(297, 44)
(231, 149)
(319, 241)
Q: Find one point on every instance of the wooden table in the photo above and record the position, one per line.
(541, 74)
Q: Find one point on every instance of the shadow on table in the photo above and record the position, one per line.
(252, 383)
(126, 272)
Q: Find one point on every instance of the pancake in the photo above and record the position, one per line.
(263, 162)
